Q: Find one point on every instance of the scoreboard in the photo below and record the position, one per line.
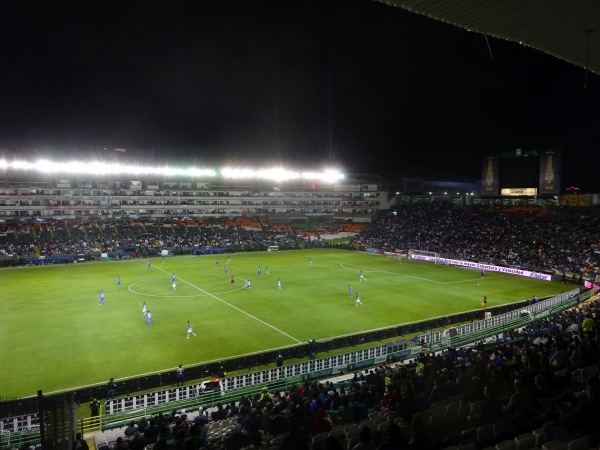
(521, 172)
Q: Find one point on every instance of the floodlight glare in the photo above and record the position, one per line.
(278, 174)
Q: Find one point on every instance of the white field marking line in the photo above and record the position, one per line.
(234, 307)
(471, 280)
(344, 265)
(131, 377)
(347, 266)
(176, 296)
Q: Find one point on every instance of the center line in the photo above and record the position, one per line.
(232, 306)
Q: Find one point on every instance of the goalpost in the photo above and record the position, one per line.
(433, 257)
(273, 248)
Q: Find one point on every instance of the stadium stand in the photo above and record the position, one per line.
(404, 408)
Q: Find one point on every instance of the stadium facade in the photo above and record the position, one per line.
(355, 198)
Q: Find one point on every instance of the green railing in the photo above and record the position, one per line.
(205, 399)
(529, 319)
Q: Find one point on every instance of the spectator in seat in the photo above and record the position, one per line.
(580, 420)
(520, 404)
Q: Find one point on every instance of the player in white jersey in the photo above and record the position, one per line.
(357, 300)
(189, 330)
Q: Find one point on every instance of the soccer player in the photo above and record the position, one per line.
(149, 318)
(102, 299)
(226, 269)
(144, 309)
(482, 272)
(118, 281)
(267, 270)
(278, 284)
(190, 331)
(248, 284)
(174, 286)
(362, 277)
(228, 259)
(163, 259)
(149, 264)
(232, 279)
(258, 271)
(217, 262)
(484, 302)
(309, 261)
(350, 290)
(173, 278)
(357, 302)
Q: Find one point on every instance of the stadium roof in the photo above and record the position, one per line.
(560, 28)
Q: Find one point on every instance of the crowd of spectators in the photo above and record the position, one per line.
(559, 240)
(519, 382)
(57, 238)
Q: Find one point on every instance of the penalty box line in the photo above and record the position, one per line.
(232, 306)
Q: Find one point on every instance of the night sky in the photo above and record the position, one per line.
(351, 83)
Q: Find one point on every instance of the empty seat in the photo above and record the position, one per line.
(506, 445)
(583, 443)
(485, 436)
(352, 442)
(453, 405)
(350, 426)
(451, 416)
(556, 444)
(436, 420)
(352, 433)
(337, 432)
(525, 441)
(467, 436)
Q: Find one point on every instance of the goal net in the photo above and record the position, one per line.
(423, 255)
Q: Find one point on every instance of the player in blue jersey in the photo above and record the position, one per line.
(149, 264)
(226, 270)
(248, 284)
(102, 299)
(119, 281)
(350, 290)
(258, 271)
(149, 318)
(173, 278)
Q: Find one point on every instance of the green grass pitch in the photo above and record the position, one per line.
(54, 335)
